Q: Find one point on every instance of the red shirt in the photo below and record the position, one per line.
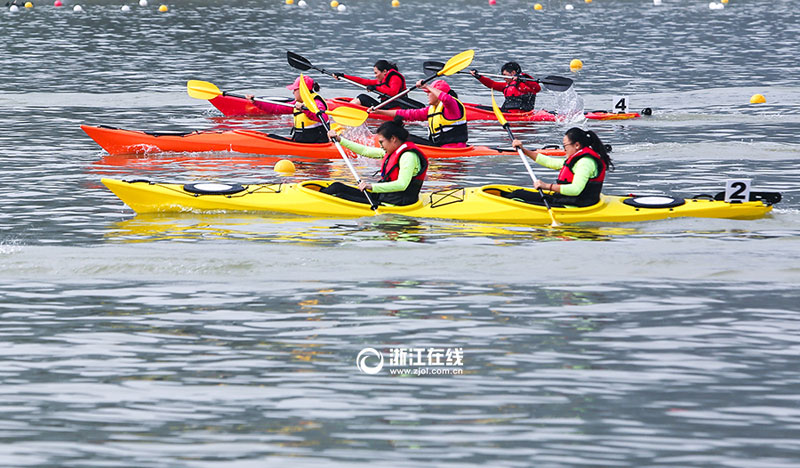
(515, 88)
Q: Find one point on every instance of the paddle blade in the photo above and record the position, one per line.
(348, 116)
(497, 112)
(432, 67)
(202, 89)
(556, 83)
(298, 61)
(457, 63)
(305, 95)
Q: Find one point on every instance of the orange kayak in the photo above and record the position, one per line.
(120, 141)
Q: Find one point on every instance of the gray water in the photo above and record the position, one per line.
(203, 340)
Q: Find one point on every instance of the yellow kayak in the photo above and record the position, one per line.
(482, 204)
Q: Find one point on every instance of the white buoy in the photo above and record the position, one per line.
(13, 8)
(569, 7)
(125, 8)
(341, 7)
(302, 3)
(77, 9)
(656, 2)
(142, 2)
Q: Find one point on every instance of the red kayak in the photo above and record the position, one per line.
(232, 106)
(119, 141)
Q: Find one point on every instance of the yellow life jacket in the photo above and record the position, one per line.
(442, 130)
(302, 121)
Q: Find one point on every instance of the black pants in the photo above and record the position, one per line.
(347, 192)
(534, 197)
(311, 135)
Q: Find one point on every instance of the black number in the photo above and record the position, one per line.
(621, 105)
(739, 187)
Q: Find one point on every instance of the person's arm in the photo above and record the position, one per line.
(363, 150)
(584, 169)
(322, 106)
(530, 87)
(359, 80)
(411, 114)
(489, 83)
(409, 166)
(450, 108)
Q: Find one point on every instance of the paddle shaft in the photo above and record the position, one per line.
(347, 161)
(277, 103)
(398, 96)
(530, 171)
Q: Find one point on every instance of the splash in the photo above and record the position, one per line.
(569, 106)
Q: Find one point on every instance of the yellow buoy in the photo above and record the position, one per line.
(588, 1)
(575, 65)
(290, 2)
(395, 3)
(538, 6)
(285, 166)
(334, 4)
(28, 5)
(723, 1)
(163, 8)
(758, 99)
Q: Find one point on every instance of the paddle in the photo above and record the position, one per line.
(456, 63)
(308, 101)
(505, 125)
(348, 116)
(551, 82)
(301, 63)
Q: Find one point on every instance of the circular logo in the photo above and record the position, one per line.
(363, 366)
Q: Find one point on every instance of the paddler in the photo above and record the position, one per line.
(581, 173)
(388, 81)
(446, 116)
(306, 128)
(519, 88)
(403, 168)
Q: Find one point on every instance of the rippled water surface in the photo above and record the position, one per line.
(199, 340)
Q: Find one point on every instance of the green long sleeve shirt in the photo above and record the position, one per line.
(584, 169)
(409, 166)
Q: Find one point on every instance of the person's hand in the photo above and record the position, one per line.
(299, 105)
(539, 184)
(420, 84)
(517, 144)
(338, 76)
(333, 135)
(364, 186)
(371, 110)
(250, 97)
(371, 87)
(475, 73)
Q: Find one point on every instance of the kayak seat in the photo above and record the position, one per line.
(315, 187)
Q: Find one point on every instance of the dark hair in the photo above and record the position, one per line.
(589, 139)
(453, 93)
(394, 128)
(384, 65)
(315, 88)
(511, 67)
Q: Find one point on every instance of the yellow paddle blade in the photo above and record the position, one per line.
(348, 116)
(202, 89)
(457, 63)
(305, 95)
(497, 112)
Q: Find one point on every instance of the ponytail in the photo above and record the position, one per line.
(394, 128)
(589, 139)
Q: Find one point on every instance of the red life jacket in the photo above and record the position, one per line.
(517, 87)
(390, 170)
(591, 193)
(385, 82)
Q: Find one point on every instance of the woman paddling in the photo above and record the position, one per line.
(403, 168)
(388, 81)
(581, 174)
(520, 93)
(306, 126)
(446, 116)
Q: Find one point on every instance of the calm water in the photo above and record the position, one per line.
(193, 341)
